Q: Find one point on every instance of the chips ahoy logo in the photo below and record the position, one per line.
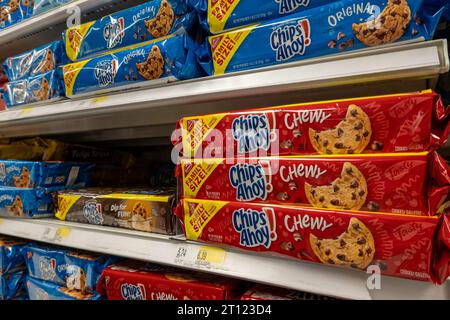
(133, 291)
(288, 6)
(291, 40)
(47, 268)
(105, 72)
(114, 32)
(256, 228)
(92, 211)
(251, 132)
(249, 180)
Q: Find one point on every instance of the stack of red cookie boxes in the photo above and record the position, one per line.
(351, 183)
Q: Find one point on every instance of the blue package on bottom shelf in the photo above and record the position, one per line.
(26, 203)
(43, 290)
(10, 255)
(11, 285)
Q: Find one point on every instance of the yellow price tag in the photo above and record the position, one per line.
(1, 221)
(211, 255)
(26, 111)
(100, 99)
(63, 232)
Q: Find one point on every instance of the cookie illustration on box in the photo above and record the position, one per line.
(141, 218)
(389, 26)
(353, 248)
(350, 136)
(348, 192)
(13, 5)
(161, 24)
(44, 92)
(23, 181)
(48, 63)
(16, 209)
(4, 14)
(76, 279)
(153, 67)
(76, 294)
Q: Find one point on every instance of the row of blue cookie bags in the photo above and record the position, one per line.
(12, 266)
(150, 20)
(329, 29)
(74, 270)
(34, 174)
(170, 58)
(15, 11)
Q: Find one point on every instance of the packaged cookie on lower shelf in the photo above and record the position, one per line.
(409, 122)
(12, 285)
(44, 290)
(402, 246)
(132, 280)
(75, 270)
(10, 254)
(326, 30)
(148, 210)
(409, 183)
(168, 59)
(262, 292)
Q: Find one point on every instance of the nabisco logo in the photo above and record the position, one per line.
(133, 291)
(105, 72)
(289, 6)
(291, 40)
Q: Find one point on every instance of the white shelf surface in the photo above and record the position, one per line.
(164, 104)
(315, 278)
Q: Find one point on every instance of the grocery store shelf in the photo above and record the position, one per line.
(315, 278)
(392, 68)
(49, 25)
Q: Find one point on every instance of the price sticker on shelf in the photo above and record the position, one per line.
(63, 232)
(211, 256)
(26, 111)
(1, 221)
(206, 257)
(99, 99)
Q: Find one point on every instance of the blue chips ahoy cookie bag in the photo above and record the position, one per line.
(10, 254)
(74, 270)
(11, 285)
(45, 86)
(172, 57)
(41, 6)
(219, 15)
(151, 20)
(14, 11)
(18, 66)
(337, 27)
(44, 290)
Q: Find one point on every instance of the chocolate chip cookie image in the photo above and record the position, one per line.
(16, 209)
(4, 15)
(354, 248)
(347, 192)
(351, 136)
(389, 26)
(141, 218)
(161, 24)
(153, 67)
(43, 93)
(48, 63)
(23, 180)
(13, 5)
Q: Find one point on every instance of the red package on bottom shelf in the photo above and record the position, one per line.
(133, 280)
(400, 245)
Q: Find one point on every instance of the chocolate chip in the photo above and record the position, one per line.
(349, 170)
(353, 196)
(313, 192)
(414, 32)
(288, 246)
(335, 202)
(336, 188)
(350, 151)
(341, 257)
(360, 253)
(354, 113)
(316, 137)
(358, 126)
(298, 237)
(297, 133)
(340, 36)
(343, 243)
(356, 226)
(361, 241)
(339, 145)
(328, 252)
(293, 186)
(340, 132)
(366, 134)
(329, 151)
(325, 143)
(350, 43)
(318, 244)
(331, 44)
(322, 199)
(373, 206)
(354, 184)
(362, 193)
(342, 46)
(282, 196)
(330, 261)
(286, 144)
(369, 251)
(358, 137)
(354, 266)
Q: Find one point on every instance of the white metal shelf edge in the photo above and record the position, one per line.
(393, 62)
(308, 277)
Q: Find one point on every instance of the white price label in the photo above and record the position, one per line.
(56, 234)
(204, 256)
